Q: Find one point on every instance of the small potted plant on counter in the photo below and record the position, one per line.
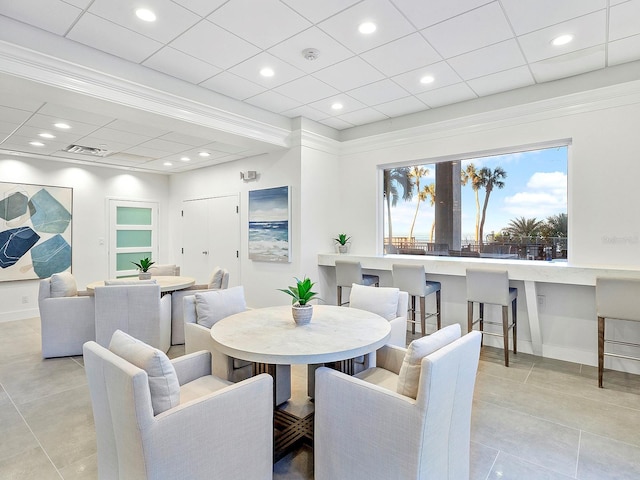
(301, 293)
(143, 268)
(342, 241)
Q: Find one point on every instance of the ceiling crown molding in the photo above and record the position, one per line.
(47, 70)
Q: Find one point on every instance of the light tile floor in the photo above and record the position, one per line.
(538, 419)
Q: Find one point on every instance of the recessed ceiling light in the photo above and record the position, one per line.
(46, 135)
(37, 144)
(562, 40)
(167, 164)
(337, 106)
(204, 154)
(267, 72)
(427, 79)
(63, 126)
(146, 15)
(367, 28)
(185, 159)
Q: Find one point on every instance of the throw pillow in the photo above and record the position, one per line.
(163, 380)
(216, 278)
(215, 305)
(380, 300)
(63, 285)
(409, 377)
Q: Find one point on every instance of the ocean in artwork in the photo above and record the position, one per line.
(269, 241)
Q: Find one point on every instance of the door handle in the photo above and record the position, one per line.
(205, 253)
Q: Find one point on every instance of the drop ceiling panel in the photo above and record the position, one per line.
(502, 81)
(570, 64)
(306, 89)
(447, 95)
(402, 106)
(233, 86)
(529, 15)
(180, 65)
(201, 7)
(589, 30)
(379, 92)
(423, 14)
(113, 38)
(441, 72)
(184, 139)
(402, 55)
(391, 25)
(33, 133)
(305, 111)
(488, 60)
(137, 128)
(171, 19)
(349, 74)
(71, 115)
(625, 50)
(14, 115)
(624, 20)
(19, 102)
(478, 28)
(53, 15)
(316, 11)
(107, 135)
(261, 22)
(349, 104)
(336, 123)
(273, 101)
(366, 115)
(250, 70)
(165, 146)
(47, 122)
(214, 45)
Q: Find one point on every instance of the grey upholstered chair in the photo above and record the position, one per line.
(413, 280)
(161, 419)
(197, 328)
(348, 273)
(219, 280)
(492, 287)
(137, 309)
(616, 299)
(409, 417)
(67, 317)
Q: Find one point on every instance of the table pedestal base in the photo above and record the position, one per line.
(290, 432)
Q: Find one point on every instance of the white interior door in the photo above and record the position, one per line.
(211, 237)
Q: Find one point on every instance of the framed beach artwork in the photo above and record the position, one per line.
(269, 225)
(35, 230)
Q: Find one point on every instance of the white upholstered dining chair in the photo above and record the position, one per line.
(409, 417)
(162, 419)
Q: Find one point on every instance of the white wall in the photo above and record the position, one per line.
(91, 187)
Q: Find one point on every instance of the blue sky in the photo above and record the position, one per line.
(535, 186)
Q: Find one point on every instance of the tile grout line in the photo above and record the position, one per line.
(492, 465)
(526, 379)
(578, 457)
(32, 433)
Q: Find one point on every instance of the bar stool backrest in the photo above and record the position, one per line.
(348, 273)
(410, 278)
(488, 286)
(618, 298)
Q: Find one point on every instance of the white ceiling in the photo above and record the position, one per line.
(471, 48)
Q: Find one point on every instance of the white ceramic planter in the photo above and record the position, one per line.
(302, 314)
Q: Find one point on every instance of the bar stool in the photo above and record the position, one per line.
(492, 287)
(348, 273)
(616, 299)
(413, 280)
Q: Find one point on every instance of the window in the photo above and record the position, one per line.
(511, 205)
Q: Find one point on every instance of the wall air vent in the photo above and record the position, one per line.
(79, 149)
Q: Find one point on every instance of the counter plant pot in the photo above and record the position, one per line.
(144, 275)
(302, 313)
(343, 248)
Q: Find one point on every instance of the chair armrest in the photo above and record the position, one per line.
(390, 358)
(192, 366)
(238, 415)
(398, 335)
(357, 417)
(84, 293)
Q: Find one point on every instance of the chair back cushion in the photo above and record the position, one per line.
(380, 300)
(163, 380)
(409, 377)
(167, 270)
(348, 273)
(216, 278)
(63, 285)
(616, 298)
(488, 286)
(214, 305)
(111, 283)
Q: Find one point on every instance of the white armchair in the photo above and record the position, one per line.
(137, 309)
(421, 433)
(219, 280)
(167, 270)
(67, 317)
(214, 306)
(207, 429)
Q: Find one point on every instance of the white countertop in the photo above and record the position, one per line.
(269, 335)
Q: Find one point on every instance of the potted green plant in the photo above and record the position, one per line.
(143, 268)
(342, 241)
(301, 293)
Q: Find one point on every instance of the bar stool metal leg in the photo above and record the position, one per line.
(600, 350)
(423, 316)
(514, 315)
(505, 334)
(439, 310)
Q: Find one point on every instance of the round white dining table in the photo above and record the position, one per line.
(168, 283)
(269, 335)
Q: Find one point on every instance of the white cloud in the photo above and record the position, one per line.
(548, 181)
(548, 196)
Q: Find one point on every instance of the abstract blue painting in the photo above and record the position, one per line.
(35, 230)
(269, 225)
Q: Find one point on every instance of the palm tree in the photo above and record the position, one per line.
(430, 192)
(416, 173)
(489, 179)
(392, 179)
(524, 227)
(556, 225)
(471, 174)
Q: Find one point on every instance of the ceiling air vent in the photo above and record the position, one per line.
(96, 152)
